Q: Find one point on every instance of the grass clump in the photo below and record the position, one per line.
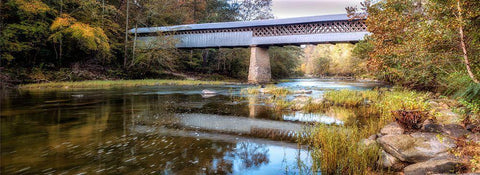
(347, 98)
(402, 100)
(269, 89)
(339, 150)
(106, 84)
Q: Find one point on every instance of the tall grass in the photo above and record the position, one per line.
(344, 97)
(338, 150)
(269, 89)
(402, 99)
(105, 84)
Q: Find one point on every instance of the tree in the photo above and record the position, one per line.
(23, 29)
(255, 10)
(421, 44)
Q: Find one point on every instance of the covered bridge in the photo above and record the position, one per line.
(260, 34)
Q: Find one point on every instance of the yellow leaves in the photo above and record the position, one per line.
(32, 6)
(92, 38)
(63, 21)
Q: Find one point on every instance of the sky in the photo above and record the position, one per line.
(299, 8)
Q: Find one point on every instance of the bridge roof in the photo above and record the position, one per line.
(242, 24)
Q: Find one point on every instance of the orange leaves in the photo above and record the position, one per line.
(32, 6)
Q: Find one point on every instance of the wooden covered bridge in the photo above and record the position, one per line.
(259, 35)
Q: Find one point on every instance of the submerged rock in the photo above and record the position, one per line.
(78, 96)
(206, 91)
(432, 166)
(416, 147)
(392, 129)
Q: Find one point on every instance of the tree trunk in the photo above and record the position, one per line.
(134, 43)
(462, 44)
(60, 47)
(126, 35)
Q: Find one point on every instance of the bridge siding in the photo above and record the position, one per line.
(309, 39)
(245, 39)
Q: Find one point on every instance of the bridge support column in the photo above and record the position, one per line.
(259, 70)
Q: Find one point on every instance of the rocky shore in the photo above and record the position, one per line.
(429, 150)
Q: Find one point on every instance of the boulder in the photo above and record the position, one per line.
(432, 166)
(474, 137)
(472, 128)
(370, 140)
(455, 130)
(392, 129)
(447, 116)
(432, 127)
(299, 102)
(318, 100)
(388, 161)
(429, 125)
(416, 147)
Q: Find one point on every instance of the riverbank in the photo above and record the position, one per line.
(417, 145)
(357, 145)
(107, 84)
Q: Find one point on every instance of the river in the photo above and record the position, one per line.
(157, 130)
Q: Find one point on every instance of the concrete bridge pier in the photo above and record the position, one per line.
(259, 70)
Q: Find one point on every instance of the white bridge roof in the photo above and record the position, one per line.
(242, 24)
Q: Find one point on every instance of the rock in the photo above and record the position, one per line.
(369, 141)
(302, 91)
(472, 128)
(373, 137)
(434, 104)
(388, 161)
(262, 90)
(455, 130)
(429, 126)
(208, 95)
(318, 100)
(416, 147)
(447, 116)
(206, 91)
(474, 137)
(392, 129)
(456, 174)
(299, 102)
(432, 166)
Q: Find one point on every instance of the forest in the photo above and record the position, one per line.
(419, 44)
(72, 40)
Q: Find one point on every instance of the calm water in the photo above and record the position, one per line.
(157, 130)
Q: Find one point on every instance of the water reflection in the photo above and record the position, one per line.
(143, 130)
(312, 117)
